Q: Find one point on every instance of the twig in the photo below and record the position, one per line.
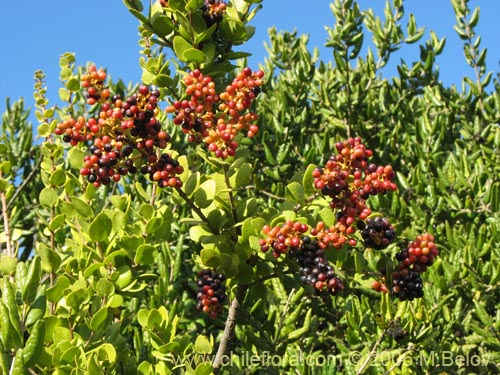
(231, 196)
(25, 181)
(196, 209)
(271, 195)
(400, 359)
(5, 214)
(229, 328)
(371, 354)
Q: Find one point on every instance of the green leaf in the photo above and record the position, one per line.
(100, 228)
(295, 192)
(104, 288)
(63, 95)
(163, 80)
(162, 25)
(180, 46)
(204, 368)
(48, 197)
(58, 177)
(5, 167)
(193, 55)
(55, 293)
(242, 177)
(146, 211)
(8, 265)
(145, 255)
(205, 193)
(191, 184)
(139, 16)
(38, 307)
(29, 289)
(18, 367)
(210, 257)
(34, 345)
(75, 157)
(82, 207)
(202, 345)
(154, 225)
(73, 84)
(77, 298)
(308, 180)
(99, 319)
(57, 222)
(50, 260)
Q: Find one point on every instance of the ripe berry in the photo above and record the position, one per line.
(211, 292)
(315, 269)
(378, 233)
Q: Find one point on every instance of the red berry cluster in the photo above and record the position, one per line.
(414, 260)
(348, 180)
(211, 292)
(377, 233)
(93, 81)
(283, 238)
(213, 11)
(214, 118)
(124, 137)
(314, 267)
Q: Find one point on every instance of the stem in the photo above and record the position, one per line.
(229, 327)
(231, 196)
(283, 316)
(25, 181)
(371, 354)
(473, 52)
(263, 192)
(400, 360)
(5, 214)
(196, 209)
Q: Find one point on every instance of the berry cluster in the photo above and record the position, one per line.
(377, 233)
(93, 81)
(414, 260)
(348, 179)
(123, 138)
(211, 292)
(314, 268)
(214, 118)
(213, 11)
(283, 238)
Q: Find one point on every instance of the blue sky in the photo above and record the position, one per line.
(36, 33)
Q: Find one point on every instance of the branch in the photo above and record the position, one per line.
(229, 327)
(25, 181)
(231, 197)
(5, 214)
(371, 354)
(196, 209)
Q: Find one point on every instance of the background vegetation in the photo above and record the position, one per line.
(104, 280)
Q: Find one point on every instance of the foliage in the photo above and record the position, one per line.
(101, 278)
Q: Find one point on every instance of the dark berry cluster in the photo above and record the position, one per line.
(408, 285)
(283, 238)
(348, 180)
(314, 268)
(213, 11)
(211, 292)
(414, 260)
(123, 138)
(216, 119)
(377, 233)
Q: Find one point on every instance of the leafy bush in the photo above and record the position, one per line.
(219, 219)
